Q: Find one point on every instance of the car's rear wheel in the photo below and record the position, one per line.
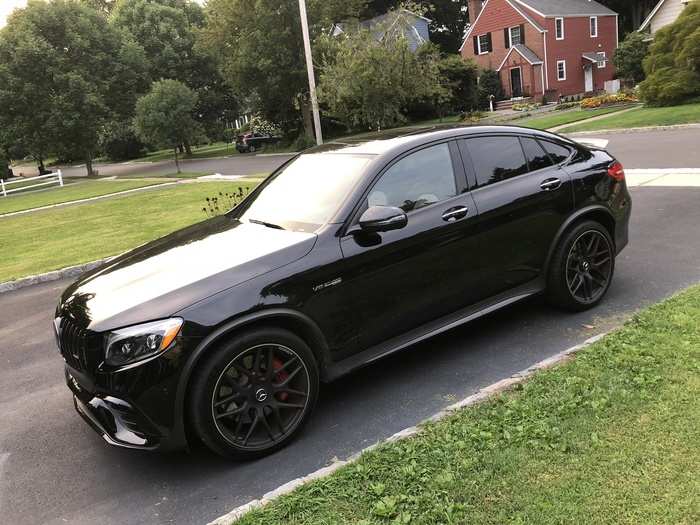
(254, 394)
(582, 267)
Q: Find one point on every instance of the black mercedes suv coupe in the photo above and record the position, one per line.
(221, 332)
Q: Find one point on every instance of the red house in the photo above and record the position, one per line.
(543, 47)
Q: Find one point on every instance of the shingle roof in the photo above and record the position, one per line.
(595, 57)
(527, 53)
(567, 7)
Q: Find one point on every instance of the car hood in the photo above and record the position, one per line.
(162, 277)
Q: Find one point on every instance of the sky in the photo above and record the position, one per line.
(6, 7)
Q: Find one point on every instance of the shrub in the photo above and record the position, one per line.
(302, 142)
(489, 84)
(525, 107)
(4, 166)
(673, 63)
(567, 105)
(630, 55)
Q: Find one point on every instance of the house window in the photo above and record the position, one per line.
(602, 59)
(561, 69)
(559, 27)
(515, 36)
(594, 26)
(485, 44)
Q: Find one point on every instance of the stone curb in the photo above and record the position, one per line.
(71, 271)
(634, 130)
(482, 395)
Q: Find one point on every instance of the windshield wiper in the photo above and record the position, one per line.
(268, 224)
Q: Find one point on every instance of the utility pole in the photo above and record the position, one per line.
(310, 71)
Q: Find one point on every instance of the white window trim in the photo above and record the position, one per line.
(510, 35)
(604, 61)
(478, 39)
(590, 26)
(563, 62)
(556, 21)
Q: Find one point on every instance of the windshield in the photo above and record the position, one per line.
(307, 192)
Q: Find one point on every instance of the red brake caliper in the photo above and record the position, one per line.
(280, 377)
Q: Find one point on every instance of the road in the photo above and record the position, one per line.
(679, 149)
(54, 469)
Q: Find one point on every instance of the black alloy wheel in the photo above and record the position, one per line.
(589, 266)
(582, 267)
(260, 397)
(254, 393)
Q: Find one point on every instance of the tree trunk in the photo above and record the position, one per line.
(42, 169)
(188, 148)
(177, 161)
(88, 165)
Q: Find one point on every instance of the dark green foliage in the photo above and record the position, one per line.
(673, 62)
(630, 55)
(119, 141)
(489, 84)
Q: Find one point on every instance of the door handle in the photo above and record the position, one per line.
(550, 184)
(454, 214)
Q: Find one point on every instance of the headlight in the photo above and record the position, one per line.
(132, 344)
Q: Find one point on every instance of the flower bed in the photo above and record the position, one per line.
(608, 100)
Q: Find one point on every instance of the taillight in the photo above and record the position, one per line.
(616, 171)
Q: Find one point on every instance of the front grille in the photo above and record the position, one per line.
(73, 342)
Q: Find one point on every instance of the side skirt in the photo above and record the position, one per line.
(428, 330)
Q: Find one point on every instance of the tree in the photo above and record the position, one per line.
(105, 6)
(164, 116)
(630, 55)
(368, 83)
(258, 46)
(64, 73)
(166, 30)
(673, 63)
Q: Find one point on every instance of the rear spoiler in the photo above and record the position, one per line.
(591, 142)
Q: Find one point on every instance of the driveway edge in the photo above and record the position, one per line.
(630, 130)
(481, 395)
(70, 271)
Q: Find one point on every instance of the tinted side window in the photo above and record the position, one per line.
(536, 156)
(418, 180)
(556, 152)
(496, 159)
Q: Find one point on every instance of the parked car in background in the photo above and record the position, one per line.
(349, 252)
(252, 142)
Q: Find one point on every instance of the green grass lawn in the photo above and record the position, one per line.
(610, 437)
(559, 118)
(173, 175)
(53, 239)
(684, 114)
(74, 190)
(218, 149)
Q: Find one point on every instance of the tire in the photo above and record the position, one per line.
(240, 408)
(251, 149)
(582, 267)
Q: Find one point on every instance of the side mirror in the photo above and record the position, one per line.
(383, 219)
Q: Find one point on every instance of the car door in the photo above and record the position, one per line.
(404, 278)
(523, 196)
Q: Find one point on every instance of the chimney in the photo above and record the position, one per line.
(474, 8)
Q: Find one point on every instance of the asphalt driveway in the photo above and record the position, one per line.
(54, 469)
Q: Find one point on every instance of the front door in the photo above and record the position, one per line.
(523, 197)
(405, 278)
(516, 82)
(588, 74)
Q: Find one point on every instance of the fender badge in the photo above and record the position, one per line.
(323, 286)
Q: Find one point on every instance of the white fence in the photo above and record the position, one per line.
(51, 178)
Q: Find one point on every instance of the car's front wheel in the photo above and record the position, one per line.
(582, 267)
(254, 393)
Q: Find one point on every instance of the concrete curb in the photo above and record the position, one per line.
(482, 395)
(632, 130)
(71, 271)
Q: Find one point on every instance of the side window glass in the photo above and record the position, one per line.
(496, 159)
(536, 157)
(416, 181)
(557, 152)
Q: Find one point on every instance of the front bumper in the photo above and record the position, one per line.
(117, 421)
